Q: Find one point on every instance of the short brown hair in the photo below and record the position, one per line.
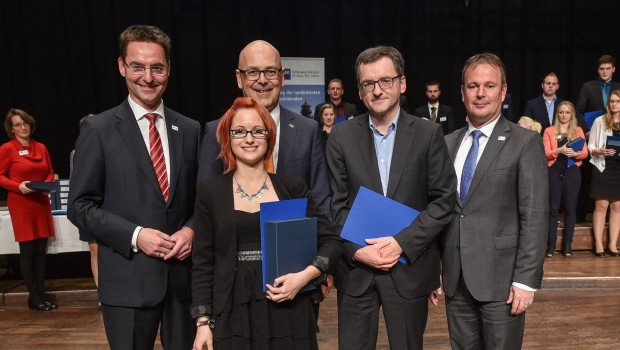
(484, 58)
(607, 59)
(223, 130)
(145, 34)
(551, 74)
(27, 118)
(373, 54)
(433, 82)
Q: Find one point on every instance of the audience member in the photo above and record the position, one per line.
(120, 194)
(544, 107)
(404, 158)
(85, 237)
(605, 173)
(593, 94)
(335, 90)
(530, 124)
(493, 250)
(227, 278)
(298, 149)
(507, 108)
(327, 114)
(564, 177)
(23, 160)
(437, 112)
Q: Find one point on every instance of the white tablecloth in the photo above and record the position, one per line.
(67, 236)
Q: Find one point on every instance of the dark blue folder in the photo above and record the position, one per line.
(290, 245)
(43, 186)
(373, 215)
(591, 116)
(340, 120)
(577, 145)
(613, 142)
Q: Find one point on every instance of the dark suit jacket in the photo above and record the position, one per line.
(421, 177)
(349, 111)
(114, 189)
(499, 235)
(215, 241)
(591, 99)
(445, 117)
(301, 153)
(536, 109)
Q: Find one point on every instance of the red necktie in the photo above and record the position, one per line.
(157, 155)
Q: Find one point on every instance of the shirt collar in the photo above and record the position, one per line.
(435, 105)
(390, 128)
(275, 114)
(486, 130)
(139, 111)
(555, 97)
(604, 84)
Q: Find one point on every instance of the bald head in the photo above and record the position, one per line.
(260, 55)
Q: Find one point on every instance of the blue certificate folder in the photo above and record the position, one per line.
(43, 186)
(613, 142)
(290, 246)
(577, 146)
(374, 215)
(591, 116)
(281, 210)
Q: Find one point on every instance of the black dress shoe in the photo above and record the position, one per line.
(600, 255)
(41, 307)
(567, 250)
(49, 302)
(613, 253)
(550, 250)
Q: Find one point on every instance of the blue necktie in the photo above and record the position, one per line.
(470, 165)
(605, 87)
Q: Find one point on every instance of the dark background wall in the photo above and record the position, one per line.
(58, 58)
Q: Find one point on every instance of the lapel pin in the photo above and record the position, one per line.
(175, 128)
(501, 138)
(291, 126)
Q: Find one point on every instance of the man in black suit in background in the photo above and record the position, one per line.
(593, 94)
(133, 188)
(298, 150)
(437, 112)
(542, 108)
(404, 158)
(335, 90)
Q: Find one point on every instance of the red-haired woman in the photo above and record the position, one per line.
(22, 160)
(227, 290)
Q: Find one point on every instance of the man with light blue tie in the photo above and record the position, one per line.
(542, 108)
(493, 249)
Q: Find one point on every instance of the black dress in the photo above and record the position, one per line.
(249, 320)
(607, 183)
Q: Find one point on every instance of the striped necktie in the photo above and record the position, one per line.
(156, 151)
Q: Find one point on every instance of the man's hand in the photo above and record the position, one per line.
(154, 243)
(433, 296)
(326, 288)
(521, 299)
(372, 256)
(182, 239)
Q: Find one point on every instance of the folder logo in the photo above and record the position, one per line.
(287, 74)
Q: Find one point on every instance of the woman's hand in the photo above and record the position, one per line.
(604, 152)
(203, 337)
(570, 153)
(23, 189)
(286, 287)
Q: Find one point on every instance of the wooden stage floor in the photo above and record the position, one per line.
(578, 307)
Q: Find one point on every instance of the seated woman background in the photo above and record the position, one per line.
(564, 180)
(227, 275)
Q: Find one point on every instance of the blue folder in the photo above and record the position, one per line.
(340, 120)
(290, 245)
(373, 215)
(281, 210)
(591, 116)
(43, 186)
(613, 142)
(577, 146)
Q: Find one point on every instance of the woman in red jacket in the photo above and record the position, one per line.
(22, 160)
(564, 174)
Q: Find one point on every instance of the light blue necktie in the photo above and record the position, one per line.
(470, 165)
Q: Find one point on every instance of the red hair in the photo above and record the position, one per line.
(223, 130)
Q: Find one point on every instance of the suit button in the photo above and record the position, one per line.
(458, 247)
(462, 215)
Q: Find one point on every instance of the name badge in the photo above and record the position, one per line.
(175, 128)
(442, 119)
(23, 153)
(501, 138)
(505, 106)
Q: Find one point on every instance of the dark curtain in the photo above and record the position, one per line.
(59, 57)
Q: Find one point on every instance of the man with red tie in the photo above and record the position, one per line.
(132, 188)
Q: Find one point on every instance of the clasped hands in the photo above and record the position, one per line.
(381, 253)
(159, 245)
(567, 151)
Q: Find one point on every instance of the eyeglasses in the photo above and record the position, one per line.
(138, 69)
(384, 83)
(242, 133)
(21, 125)
(254, 74)
(550, 84)
(611, 102)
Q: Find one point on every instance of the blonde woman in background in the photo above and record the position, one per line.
(529, 123)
